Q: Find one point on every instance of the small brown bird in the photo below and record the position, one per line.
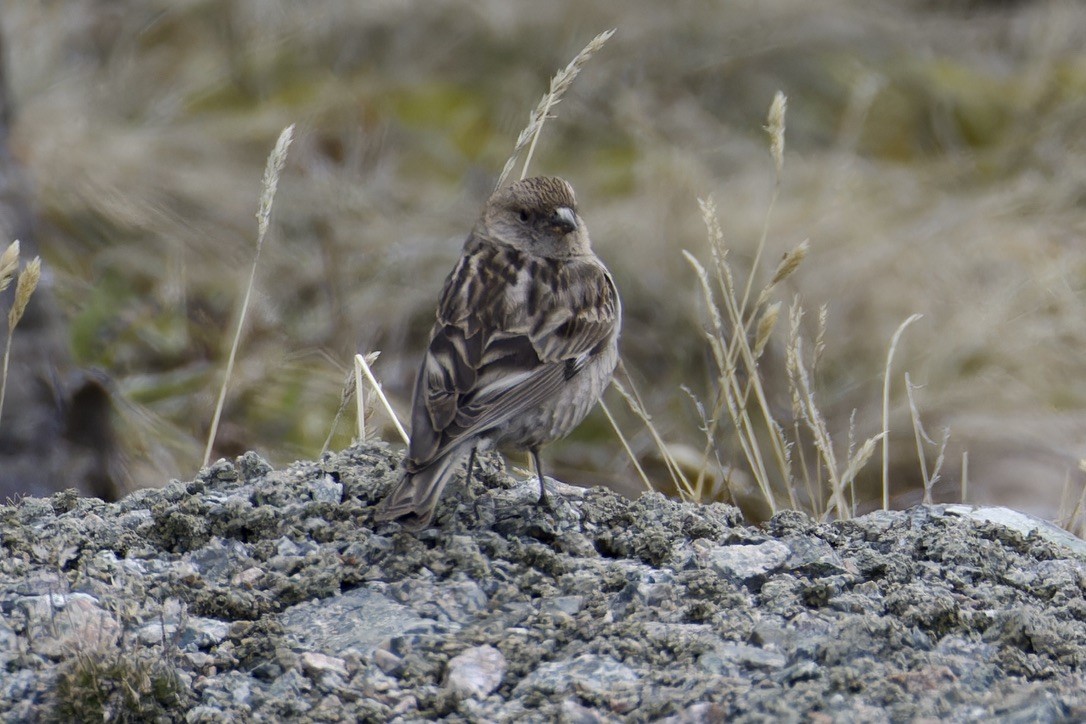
(526, 341)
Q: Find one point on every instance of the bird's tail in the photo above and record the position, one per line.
(413, 501)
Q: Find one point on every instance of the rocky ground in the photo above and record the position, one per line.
(251, 593)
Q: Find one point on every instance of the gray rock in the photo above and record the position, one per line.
(476, 672)
(744, 562)
(326, 490)
(257, 594)
(358, 620)
(587, 674)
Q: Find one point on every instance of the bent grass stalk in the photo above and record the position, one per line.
(362, 362)
(276, 160)
(886, 408)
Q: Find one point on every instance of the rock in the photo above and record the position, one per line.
(475, 672)
(744, 562)
(315, 664)
(258, 594)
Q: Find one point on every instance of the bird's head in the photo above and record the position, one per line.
(537, 215)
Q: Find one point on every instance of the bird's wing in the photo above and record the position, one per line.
(511, 330)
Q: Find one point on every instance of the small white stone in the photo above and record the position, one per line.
(476, 672)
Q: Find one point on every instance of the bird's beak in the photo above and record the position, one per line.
(564, 219)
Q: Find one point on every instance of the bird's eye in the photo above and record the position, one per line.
(524, 215)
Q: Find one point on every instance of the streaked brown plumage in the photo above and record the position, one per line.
(526, 340)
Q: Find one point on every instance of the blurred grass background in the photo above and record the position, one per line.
(936, 159)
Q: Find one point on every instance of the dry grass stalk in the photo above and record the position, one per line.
(707, 429)
(965, 476)
(813, 486)
(816, 425)
(9, 265)
(765, 328)
(851, 451)
(855, 464)
(775, 129)
(820, 338)
(740, 350)
(351, 384)
(345, 397)
(788, 265)
(1070, 516)
(24, 288)
(921, 435)
(729, 394)
(886, 408)
(807, 410)
(738, 335)
(272, 170)
(626, 446)
(678, 478)
(560, 83)
(1074, 522)
(359, 399)
(363, 362)
(728, 354)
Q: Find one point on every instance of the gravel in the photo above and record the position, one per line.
(258, 594)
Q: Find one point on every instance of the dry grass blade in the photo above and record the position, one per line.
(717, 336)
(921, 437)
(930, 479)
(626, 446)
(965, 476)
(855, 465)
(274, 167)
(820, 433)
(775, 128)
(24, 289)
(677, 477)
(765, 328)
(9, 264)
(886, 408)
(728, 352)
(359, 399)
(560, 83)
(707, 429)
(352, 384)
(820, 337)
(345, 397)
(1073, 522)
(790, 262)
(362, 361)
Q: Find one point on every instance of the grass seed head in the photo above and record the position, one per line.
(28, 282)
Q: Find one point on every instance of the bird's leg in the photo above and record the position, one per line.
(543, 499)
(471, 470)
(471, 463)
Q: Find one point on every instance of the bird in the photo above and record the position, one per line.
(524, 344)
